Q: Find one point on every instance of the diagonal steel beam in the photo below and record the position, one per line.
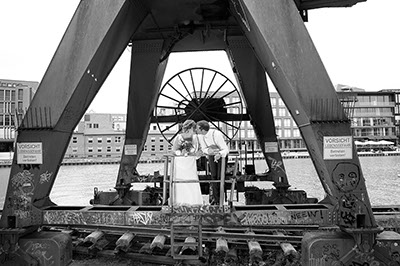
(94, 40)
(252, 79)
(286, 51)
(145, 81)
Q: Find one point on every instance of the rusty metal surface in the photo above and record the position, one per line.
(242, 216)
(143, 90)
(96, 37)
(291, 60)
(251, 76)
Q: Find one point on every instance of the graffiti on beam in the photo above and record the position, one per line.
(63, 217)
(275, 164)
(21, 199)
(307, 217)
(41, 252)
(331, 252)
(263, 218)
(346, 176)
(78, 217)
(106, 218)
(200, 209)
(160, 218)
(139, 218)
(45, 177)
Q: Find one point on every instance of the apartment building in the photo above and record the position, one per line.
(372, 114)
(396, 109)
(15, 97)
(98, 136)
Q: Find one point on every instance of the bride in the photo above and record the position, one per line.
(186, 148)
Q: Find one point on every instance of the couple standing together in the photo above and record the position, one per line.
(195, 140)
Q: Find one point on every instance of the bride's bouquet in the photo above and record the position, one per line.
(185, 148)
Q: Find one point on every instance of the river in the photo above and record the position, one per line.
(75, 184)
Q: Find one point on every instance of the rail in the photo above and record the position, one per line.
(169, 182)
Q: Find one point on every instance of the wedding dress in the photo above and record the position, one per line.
(186, 193)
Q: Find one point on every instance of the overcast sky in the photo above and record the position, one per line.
(360, 46)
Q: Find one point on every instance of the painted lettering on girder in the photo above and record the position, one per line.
(275, 164)
(346, 176)
(107, 218)
(201, 209)
(160, 218)
(40, 251)
(140, 218)
(347, 209)
(21, 200)
(251, 218)
(64, 217)
(45, 177)
(307, 216)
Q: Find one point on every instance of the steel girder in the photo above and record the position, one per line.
(146, 76)
(283, 46)
(94, 40)
(252, 79)
(96, 37)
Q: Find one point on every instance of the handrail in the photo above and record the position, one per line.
(171, 180)
(222, 186)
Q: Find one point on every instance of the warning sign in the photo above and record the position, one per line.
(338, 148)
(29, 153)
(271, 147)
(131, 149)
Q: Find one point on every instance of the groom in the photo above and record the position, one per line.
(214, 146)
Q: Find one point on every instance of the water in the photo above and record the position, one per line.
(74, 184)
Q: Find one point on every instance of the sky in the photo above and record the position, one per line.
(359, 46)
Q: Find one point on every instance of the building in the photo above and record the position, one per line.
(396, 110)
(372, 114)
(289, 137)
(98, 136)
(15, 97)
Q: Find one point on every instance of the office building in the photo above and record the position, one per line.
(372, 114)
(15, 97)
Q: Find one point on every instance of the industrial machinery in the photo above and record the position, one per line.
(258, 36)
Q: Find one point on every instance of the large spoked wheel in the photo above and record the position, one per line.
(199, 94)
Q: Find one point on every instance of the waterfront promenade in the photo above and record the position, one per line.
(6, 158)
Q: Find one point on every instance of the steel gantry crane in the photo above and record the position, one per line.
(258, 36)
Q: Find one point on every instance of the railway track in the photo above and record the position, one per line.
(187, 244)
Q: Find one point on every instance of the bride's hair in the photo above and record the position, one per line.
(188, 124)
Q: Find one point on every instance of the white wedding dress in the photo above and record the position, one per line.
(185, 169)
